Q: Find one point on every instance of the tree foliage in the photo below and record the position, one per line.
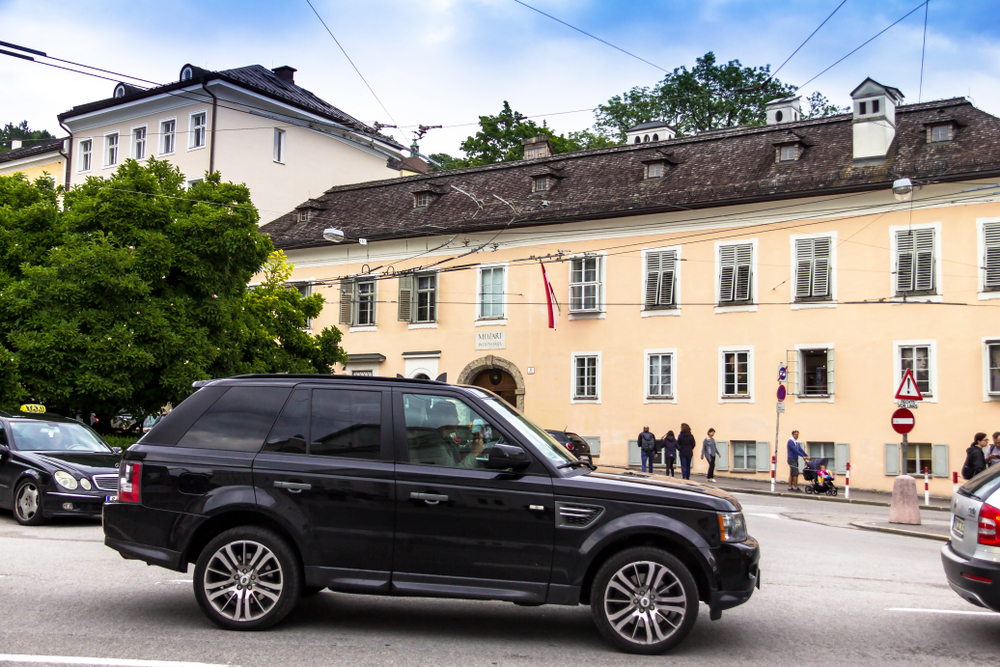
(137, 288)
(820, 107)
(20, 131)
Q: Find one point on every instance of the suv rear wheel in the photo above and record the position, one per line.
(247, 578)
(644, 600)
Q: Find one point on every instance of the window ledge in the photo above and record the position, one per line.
(588, 315)
(362, 329)
(815, 398)
(196, 148)
(917, 298)
(807, 305)
(585, 400)
(987, 295)
(660, 399)
(492, 323)
(668, 311)
(170, 153)
(736, 308)
(735, 399)
(743, 470)
(423, 325)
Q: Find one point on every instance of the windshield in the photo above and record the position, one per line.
(545, 443)
(984, 484)
(38, 436)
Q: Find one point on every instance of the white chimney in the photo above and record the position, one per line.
(784, 110)
(874, 120)
(15, 144)
(643, 133)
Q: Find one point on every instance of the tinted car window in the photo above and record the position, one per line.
(290, 431)
(239, 421)
(445, 431)
(170, 429)
(346, 422)
(984, 484)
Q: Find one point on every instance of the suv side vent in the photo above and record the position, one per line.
(574, 515)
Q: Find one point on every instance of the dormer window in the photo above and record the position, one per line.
(421, 200)
(940, 133)
(652, 170)
(541, 183)
(869, 107)
(862, 108)
(788, 153)
(305, 214)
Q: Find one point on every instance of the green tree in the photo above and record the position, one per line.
(820, 107)
(23, 132)
(443, 162)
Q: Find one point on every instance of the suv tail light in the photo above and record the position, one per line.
(128, 482)
(989, 520)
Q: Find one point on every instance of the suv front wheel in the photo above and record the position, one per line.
(644, 600)
(247, 578)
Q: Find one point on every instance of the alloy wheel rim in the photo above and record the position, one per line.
(243, 581)
(645, 602)
(27, 502)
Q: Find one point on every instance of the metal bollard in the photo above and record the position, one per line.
(847, 481)
(954, 481)
(927, 486)
(774, 466)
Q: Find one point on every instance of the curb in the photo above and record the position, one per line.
(899, 531)
(829, 499)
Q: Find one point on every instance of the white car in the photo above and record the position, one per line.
(971, 557)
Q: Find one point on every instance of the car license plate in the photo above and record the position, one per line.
(958, 526)
(110, 499)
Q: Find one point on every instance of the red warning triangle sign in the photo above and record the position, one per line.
(908, 389)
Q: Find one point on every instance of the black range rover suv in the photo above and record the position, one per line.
(279, 486)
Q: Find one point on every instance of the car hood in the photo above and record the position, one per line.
(625, 485)
(85, 462)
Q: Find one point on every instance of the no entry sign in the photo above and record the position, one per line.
(903, 421)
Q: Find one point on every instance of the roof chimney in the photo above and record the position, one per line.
(536, 147)
(784, 110)
(15, 144)
(285, 73)
(643, 133)
(874, 120)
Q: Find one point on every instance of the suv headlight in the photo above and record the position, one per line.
(732, 527)
(65, 480)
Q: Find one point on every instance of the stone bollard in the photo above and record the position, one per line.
(904, 508)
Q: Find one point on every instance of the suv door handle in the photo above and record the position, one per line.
(429, 498)
(294, 487)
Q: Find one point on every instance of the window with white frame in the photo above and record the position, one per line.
(304, 289)
(418, 298)
(919, 455)
(744, 455)
(787, 154)
(541, 183)
(815, 372)
(363, 373)
(915, 261)
(139, 143)
(305, 214)
(661, 271)
(585, 285)
(991, 256)
(917, 358)
(279, 145)
(941, 132)
(659, 375)
(735, 274)
(653, 170)
(357, 302)
(111, 149)
(586, 370)
(823, 450)
(812, 268)
(168, 130)
(736, 374)
(491, 292)
(421, 200)
(86, 154)
(993, 366)
(198, 123)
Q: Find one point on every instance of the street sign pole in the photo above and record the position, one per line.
(902, 468)
(774, 461)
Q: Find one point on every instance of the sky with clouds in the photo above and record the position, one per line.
(445, 62)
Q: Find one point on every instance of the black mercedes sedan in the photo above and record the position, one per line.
(53, 466)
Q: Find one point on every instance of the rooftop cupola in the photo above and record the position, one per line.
(783, 110)
(536, 147)
(874, 120)
(643, 133)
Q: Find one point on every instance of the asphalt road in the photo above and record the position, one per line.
(831, 595)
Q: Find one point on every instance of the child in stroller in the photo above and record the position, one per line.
(821, 479)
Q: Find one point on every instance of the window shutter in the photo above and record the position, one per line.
(892, 458)
(904, 262)
(803, 268)
(595, 444)
(634, 455)
(726, 284)
(722, 463)
(992, 260)
(841, 455)
(667, 287)
(763, 457)
(831, 373)
(792, 364)
(653, 278)
(821, 267)
(406, 298)
(924, 267)
(742, 284)
(347, 288)
(939, 461)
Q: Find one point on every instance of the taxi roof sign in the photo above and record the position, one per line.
(908, 389)
(32, 407)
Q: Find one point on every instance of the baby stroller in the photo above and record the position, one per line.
(820, 478)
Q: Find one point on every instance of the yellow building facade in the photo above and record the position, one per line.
(37, 159)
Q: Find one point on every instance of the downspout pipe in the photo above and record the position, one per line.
(211, 148)
(69, 157)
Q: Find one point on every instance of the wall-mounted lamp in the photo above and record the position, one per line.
(902, 189)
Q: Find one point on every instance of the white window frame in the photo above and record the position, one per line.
(932, 370)
(495, 321)
(549, 181)
(792, 154)
(355, 307)
(826, 303)
(723, 397)
(107, 149)
(940, 126)
(663, 311)
(647, 171)
(89, 153)
(193, 182)
(601, 312)
(280, 148)
(988, 397)
(192, 134)
(981, 223)
(672, 398)
(937, 296)
(308, 283)
(429, 324)
(163, 134)
(800, 370)
(134, 144)
(744, 468)
(754, 277)
(573, 399)
(421, 199)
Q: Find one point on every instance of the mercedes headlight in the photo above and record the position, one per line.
(66, 480)
(732, 527)
(85, 483)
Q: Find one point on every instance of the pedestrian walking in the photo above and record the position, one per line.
(710, 452)
(794, 452)
(685, 450)
(975, 460)
(670, 452)
(992, 452)
(647, 447)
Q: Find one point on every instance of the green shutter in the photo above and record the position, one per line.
(842, 454)
(892, 458)
(763, 457)
(722, 463)
(939, 461)
(347, 301)
(634, 455)
(595, 444)
(406, 298)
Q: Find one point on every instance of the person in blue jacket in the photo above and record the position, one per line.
(794, 452)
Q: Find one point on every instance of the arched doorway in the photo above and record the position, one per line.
(477, 373)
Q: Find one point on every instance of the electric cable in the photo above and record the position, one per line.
(775, 73)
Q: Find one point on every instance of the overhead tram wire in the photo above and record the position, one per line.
(923, 52)
(775, 73)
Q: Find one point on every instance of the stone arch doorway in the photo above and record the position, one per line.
(499, 376)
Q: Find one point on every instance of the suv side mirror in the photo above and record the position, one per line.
(508, 457)
(116, 450)
(4, 453)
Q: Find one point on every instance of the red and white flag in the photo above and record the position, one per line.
(550, 298)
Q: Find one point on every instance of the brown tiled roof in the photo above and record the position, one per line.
(717, 168)
(39, 148)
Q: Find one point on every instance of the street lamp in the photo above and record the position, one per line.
(333, 235)
(902, 189)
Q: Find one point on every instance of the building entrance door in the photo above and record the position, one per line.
(500, 382)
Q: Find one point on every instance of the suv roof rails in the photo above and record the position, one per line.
(317, 376)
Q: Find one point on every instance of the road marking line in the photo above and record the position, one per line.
(943, 611)
(105, 662)
(769, 516)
